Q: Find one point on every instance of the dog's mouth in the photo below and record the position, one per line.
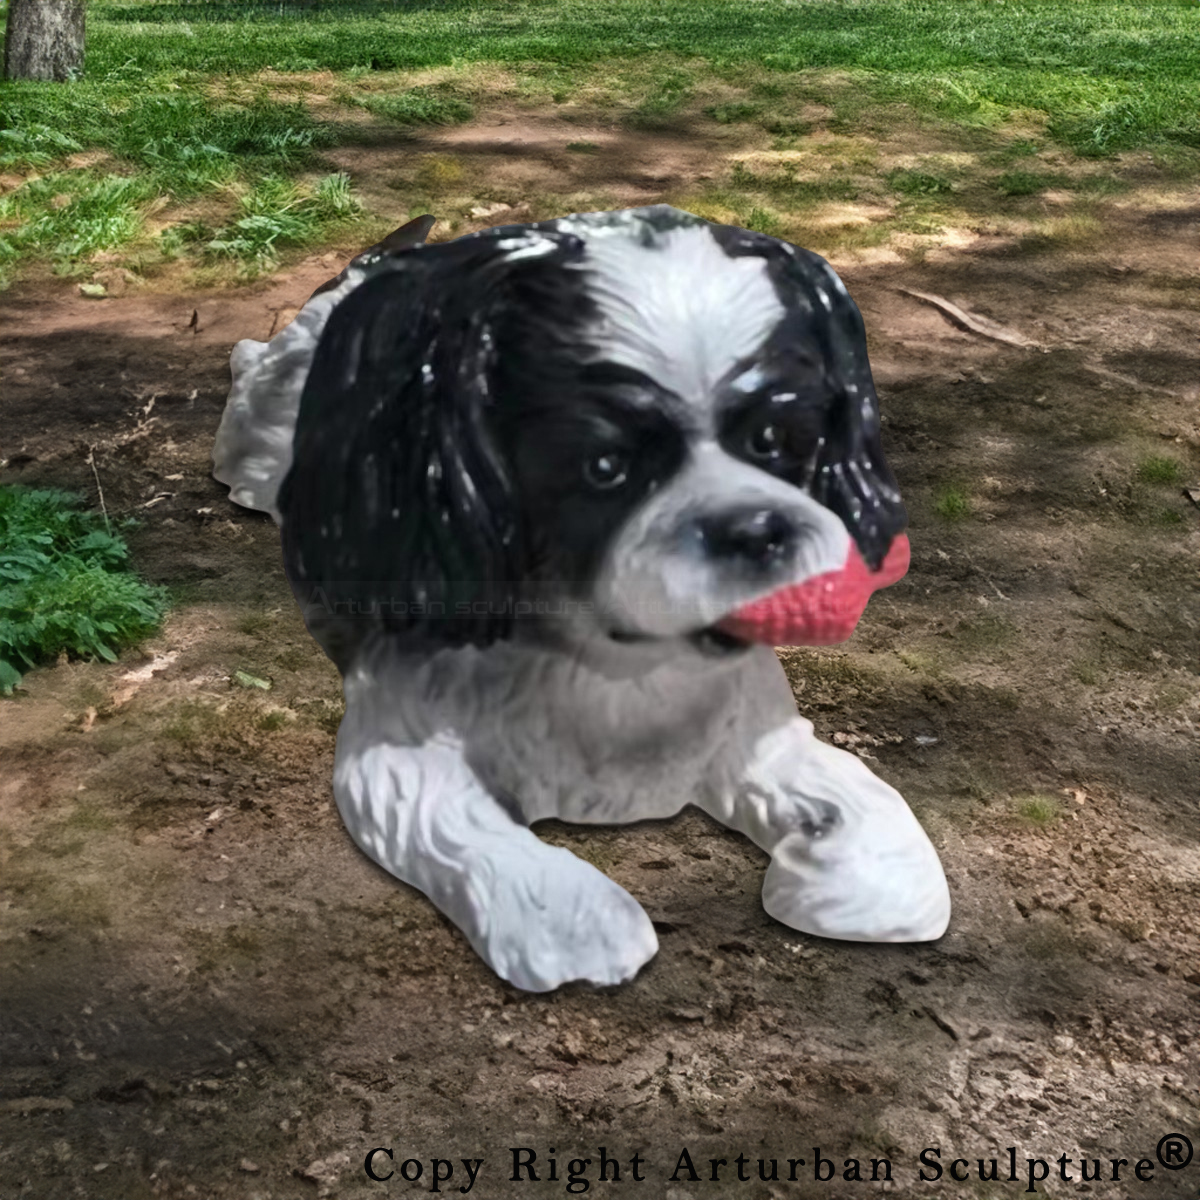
(712, 640)
(717, 642)
(820, 611)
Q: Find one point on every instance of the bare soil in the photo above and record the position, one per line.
(207, 991)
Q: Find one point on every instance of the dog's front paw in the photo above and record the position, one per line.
(879, 882)
(559, 920)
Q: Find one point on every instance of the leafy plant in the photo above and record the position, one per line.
(64, 584)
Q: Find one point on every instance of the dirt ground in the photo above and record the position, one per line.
(207, 991)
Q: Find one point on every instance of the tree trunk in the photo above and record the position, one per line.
(44, 40)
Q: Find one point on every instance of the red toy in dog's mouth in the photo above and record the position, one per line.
(820, 611)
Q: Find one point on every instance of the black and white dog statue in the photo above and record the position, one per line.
(548, 495)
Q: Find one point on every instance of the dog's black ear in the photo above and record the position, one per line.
(397, 514)
(851, 476)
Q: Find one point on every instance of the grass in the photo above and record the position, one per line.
(429, 105)
(255, 624)
(65, 586)
(1039, 810)
(985, 633)
(1158, 469)
(1172, 697)
(174, 113)
(921, 663)
(1022, 183)
(951, 503)
(919, 183)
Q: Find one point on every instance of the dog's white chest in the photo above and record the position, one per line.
(553, 738)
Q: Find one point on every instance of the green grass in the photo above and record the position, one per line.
(959, 55)
(1022, 183)
(276, 212)
(783, 185)
(1159, 469)
(728, 114)
(416, 106)
(1039, 810)
(164, 97)
(951, 503)
(919, 183)
(669, 92)
(64, 584)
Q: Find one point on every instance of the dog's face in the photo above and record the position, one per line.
(630, 423)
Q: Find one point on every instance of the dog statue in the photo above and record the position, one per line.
(548, 496)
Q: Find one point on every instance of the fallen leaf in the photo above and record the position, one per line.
(243, 679)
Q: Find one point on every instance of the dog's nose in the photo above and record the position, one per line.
(759, 536)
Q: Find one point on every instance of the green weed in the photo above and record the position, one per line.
(65, 584)
(762, 220)
(418, 106)
(783, 185)
(1172, 697)
(728, 114)
(666, 98)
(1021, 183)
(786, 129)
(919, 183)
(921, 663)
(951, 503)
(437, 173)
(1039, 810)
(277, 212)
(1159, 469)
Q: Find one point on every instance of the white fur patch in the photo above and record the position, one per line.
(873, 876)
(253, 448)
(536, 914)
(682, 311)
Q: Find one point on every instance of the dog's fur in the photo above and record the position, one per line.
(521, 478)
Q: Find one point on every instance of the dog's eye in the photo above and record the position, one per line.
(608, 470)
(767, 441)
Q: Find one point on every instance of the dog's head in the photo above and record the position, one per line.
(627, 424)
